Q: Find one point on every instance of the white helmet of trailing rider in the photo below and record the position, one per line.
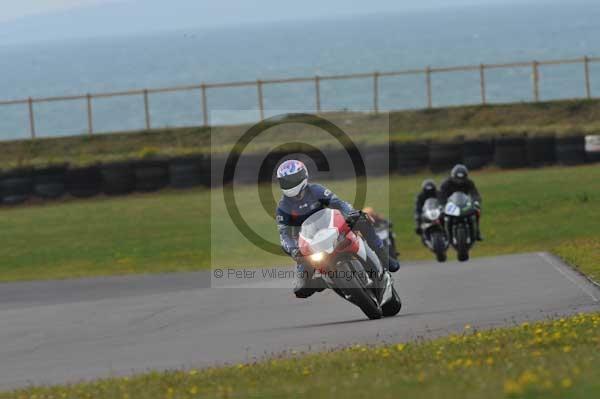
(293, 177)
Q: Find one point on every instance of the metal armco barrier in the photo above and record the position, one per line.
(376, 78)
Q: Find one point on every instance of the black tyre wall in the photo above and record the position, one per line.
(540, 150)
(409, 158)
(16, 186)
(570, 150)
(84, 182)
(378, 159)
(151, 175)
(443, 156)
(477, 153)
(118, 178)
(186, 172)
(49, 183)
(510, 152)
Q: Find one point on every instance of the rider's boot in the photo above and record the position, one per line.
(304, 284)
(478, 235)
(387, 261)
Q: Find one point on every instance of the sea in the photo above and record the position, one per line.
(390, 42)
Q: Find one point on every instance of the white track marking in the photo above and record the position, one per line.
(559, 268)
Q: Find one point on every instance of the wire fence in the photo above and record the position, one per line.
(376, 78)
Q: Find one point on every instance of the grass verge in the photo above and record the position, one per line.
(547, 117)
(523, 210)
(553, 359)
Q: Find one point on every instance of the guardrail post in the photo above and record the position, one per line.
(31, 118)
(428, 82)
(147, 110)
(90, 117)
(586, 67)
(482, 83)
(536, 81)
(376, 92)
(318, 93)
(261, 108)
(204, 106)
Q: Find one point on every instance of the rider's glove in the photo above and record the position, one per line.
(477, 205)
(295, 253)
(353, 217)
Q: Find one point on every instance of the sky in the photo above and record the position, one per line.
(16, 9)
(50, 20)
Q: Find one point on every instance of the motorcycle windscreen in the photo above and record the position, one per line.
(319, 232)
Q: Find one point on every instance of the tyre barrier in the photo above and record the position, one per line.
(409, 158)
(186, 172)
(118, 178)
(340, 165)
(247, 169)
(540, 150)
(49, 182)
(151, 175)
(510, 152)
(84, 182)
(444, 155)
(378, 160)
(16, 186)
(478, 153)
(122, 178)
(592, 148)
(570, 150)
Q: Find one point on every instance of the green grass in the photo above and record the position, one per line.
(584, 254)
(523, 210)
(553, 359)
(559, 117)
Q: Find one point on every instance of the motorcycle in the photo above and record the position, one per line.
(433, 233)
(346, 264)
(460, 219)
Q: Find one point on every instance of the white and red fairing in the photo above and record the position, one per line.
(327, 232)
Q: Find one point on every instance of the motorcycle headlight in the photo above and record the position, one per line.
(317, 257)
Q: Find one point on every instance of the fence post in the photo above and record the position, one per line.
(586, 66)
(318, 93)
(31, 118)
(536, 81)
(204, 106)
(261, 108)
(90, 116)
(376, 92)
(428, 82)
(147, 110)
(482, 83)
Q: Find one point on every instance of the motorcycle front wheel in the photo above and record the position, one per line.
(439, 246)
(461, 244)
(349, 279)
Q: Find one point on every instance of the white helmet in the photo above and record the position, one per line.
(293, 177)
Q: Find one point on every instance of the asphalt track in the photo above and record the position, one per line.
(66, 331)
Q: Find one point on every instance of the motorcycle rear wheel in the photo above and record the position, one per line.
(362, 297)
(393, 306)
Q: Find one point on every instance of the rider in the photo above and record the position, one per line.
(428, 190)
(300, 200)
(459, 181)
(385, 227)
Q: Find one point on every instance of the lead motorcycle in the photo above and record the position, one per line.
(460, 218)
(433, 233)
(344, 261)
